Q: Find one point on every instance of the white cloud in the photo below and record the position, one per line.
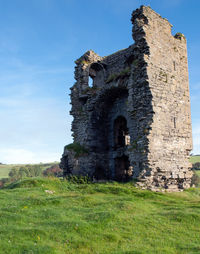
(33, 112)
(22, 156)
(33, 124)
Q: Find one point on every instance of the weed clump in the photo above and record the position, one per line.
(79, 179)
(114, 76)
(77, 148)
(179, 36)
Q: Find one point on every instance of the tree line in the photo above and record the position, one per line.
(20, 172)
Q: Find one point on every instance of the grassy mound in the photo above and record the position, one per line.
(52, 216)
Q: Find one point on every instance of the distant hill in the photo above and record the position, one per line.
(195, 158)
(5, 168)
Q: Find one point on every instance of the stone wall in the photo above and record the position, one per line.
(146, 86)
(170, 138)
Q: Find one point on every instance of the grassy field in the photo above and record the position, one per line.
(53, 216)
(194, 159)
(5, 168)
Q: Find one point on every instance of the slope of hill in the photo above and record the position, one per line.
(52, 216)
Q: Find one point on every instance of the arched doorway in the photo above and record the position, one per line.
(123, 170)
(111, 137)
(121, 134)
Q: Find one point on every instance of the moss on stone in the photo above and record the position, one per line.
(135, 62)
(114, 76)
(163, 76)
(125, 72)
(77, 148)
(90, 90)
(83, 62)
(111, 77)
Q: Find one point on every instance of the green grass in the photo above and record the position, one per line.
(194, 159)
(5, 168)
(97, 218)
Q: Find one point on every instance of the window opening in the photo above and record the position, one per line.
(90, 81)
(127, 140)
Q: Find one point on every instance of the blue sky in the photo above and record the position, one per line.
(39, 42)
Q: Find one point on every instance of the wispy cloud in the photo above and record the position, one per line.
(21, 156)
(37, 126)
(34, 124)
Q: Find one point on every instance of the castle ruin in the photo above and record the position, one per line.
(134, 121)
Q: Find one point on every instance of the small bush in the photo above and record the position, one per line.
(78, 179)
(54, 170)
(196, 166)
(3, 181)
(195, 180)
(179, 36)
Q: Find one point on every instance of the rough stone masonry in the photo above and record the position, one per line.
(133, 121)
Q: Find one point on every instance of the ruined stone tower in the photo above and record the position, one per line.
(134, 121)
